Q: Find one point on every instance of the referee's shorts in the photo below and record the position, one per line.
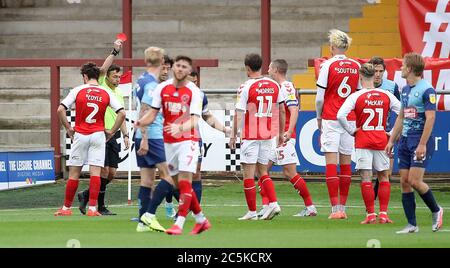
(112, 151)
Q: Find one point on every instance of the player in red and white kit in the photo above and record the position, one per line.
(88, 136)
(259, 101)
(181, 104)
(338, 78)
(285, 155)
(371, 107)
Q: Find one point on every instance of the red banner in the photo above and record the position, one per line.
(437, 72)
(424, 27)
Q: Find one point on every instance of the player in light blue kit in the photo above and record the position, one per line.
(392, 87)
(415, 123)
(150, 153)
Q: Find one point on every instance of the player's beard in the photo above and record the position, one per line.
(179, 78)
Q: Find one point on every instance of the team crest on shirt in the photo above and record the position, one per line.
(433, 98)
(185, 98)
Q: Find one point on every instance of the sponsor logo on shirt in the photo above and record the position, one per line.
(410, 112)
(433, 98)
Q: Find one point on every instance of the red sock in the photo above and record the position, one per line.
(195, 205)
(332, 183)
(264, 198)
(94, 189)
(369, 196)
(269, 188)
(71, 189)
(384, 193)
(185, 188)
(250, 193)
(300, 185)
(345, 179)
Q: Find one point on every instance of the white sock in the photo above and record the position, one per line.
(180, 221)
(200, 218)
(273, 204)
(335, 209)
(93, 208)
(65, 208)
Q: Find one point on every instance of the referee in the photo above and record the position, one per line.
(109, 79)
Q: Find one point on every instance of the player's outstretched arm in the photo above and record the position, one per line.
(212, 121)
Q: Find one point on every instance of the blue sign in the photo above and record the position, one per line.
(19, 169)
(3, 168)
(312, 160)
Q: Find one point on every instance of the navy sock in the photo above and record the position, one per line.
(409, 206)
(101, 194)
(176, 194)
(197, 187)
(429, 200)
(169, 196)
(144, 200)
(161, 191)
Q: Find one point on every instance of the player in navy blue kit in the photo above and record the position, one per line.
(416, 144)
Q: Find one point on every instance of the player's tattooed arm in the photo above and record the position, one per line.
(214, 123)
(144, 109)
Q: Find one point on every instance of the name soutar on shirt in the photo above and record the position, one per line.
(339, 78)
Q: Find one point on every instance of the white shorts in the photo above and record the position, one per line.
(253, 151)
(283, 155)
(182, 156)
(335, 139)
(372, 159)
(88, 150)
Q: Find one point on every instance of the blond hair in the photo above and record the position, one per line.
(153, 56)
(339, 39)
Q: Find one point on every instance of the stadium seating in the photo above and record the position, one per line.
(376, 33)
(226, 30)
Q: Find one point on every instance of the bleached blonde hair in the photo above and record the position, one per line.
(153, 56)
(339, 39)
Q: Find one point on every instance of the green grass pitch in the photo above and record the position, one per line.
(26, 220)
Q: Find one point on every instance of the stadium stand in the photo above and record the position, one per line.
(376, 33)
(226, 30)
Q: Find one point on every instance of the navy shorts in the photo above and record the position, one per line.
(406, 155)
(112, 151)
(156, 153)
